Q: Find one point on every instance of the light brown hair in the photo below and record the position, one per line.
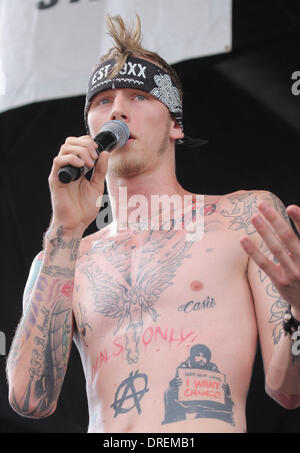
(128, 41)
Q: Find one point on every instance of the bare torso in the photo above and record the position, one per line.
(166, 328)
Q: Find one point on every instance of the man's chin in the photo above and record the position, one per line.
(125, 167)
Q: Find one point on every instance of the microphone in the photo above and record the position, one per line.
(113, 135)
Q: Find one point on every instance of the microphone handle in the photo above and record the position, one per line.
(105, 141)
(69, 173)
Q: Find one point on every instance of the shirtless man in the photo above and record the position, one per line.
(166, 326)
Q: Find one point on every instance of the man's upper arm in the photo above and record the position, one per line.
(31, 281)
(32, 277)
(270, 307)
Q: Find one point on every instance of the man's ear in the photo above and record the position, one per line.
(176, 132)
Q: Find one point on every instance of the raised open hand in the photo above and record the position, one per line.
(284, 244)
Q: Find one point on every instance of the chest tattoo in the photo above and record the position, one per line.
(136, 274)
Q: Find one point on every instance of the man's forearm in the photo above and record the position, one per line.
(39, 354)
(283, 374)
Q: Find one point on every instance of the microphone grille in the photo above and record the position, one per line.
(119, 129)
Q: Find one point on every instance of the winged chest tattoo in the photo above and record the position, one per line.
(128, 289)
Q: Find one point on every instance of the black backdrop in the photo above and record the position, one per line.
(241, 102)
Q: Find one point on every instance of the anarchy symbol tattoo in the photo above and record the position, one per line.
(130, 392)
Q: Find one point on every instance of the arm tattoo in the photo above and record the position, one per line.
(58, 243)
(48, 362)
(58, 271)
(279, 305)
(278, 205)
(243, 207)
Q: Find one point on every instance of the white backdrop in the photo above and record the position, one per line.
(48, 47)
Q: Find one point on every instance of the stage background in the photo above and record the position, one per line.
(244, 101)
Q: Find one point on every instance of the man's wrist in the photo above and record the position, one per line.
(295, 312)
(290, 323)
(56, 231)
(62, 243)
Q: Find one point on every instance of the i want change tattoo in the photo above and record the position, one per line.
(198, 390)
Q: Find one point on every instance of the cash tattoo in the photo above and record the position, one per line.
(191, 306)
(198, 390)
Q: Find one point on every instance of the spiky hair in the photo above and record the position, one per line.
(127, 39)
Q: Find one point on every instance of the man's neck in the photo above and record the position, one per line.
(134, 200)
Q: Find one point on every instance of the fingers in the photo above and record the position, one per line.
(100, 168)
(294, 212)
(76, 151)
(280, 239)
(288, 244)
(83, 147)
(259, 258)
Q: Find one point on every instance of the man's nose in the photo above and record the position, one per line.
(119, 109)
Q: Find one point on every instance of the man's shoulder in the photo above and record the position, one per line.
(235, 206)
(250, 197)
(236, 209)
(91, 237)
(247, 193)
(87, 241)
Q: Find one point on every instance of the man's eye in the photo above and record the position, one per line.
(103, 101)
(140, 97)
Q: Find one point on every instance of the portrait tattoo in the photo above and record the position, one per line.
(198, 390)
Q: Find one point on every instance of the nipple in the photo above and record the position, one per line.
(196, 285)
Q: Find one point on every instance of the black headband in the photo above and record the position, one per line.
(142, 75)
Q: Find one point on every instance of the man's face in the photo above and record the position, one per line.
(199, 360)
(151, 128)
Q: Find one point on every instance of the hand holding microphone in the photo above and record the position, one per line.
(113, 135)
(75, 206)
